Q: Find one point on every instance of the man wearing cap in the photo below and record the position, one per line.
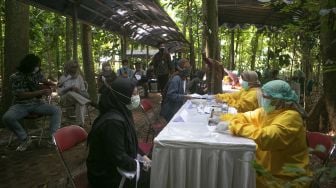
(162, 67)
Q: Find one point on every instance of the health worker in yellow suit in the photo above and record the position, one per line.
(247, 98)
(279, 132)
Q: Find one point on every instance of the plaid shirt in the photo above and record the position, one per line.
(21, 82)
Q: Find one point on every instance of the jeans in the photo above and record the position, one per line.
(18, 111)
(162, 81)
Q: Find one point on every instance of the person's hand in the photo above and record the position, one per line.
(187, 97)
(218, 100)
(75, 89)
(222, 126)
(147, 163)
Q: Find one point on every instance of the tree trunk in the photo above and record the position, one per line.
(238, 33)
(68, 39)
(88, 64)
(16, 44)
(199, 52)
(213, 46)
(57, 58)
(123, 42)
(132, 55)
(204, 36)
(232, 51)
(1, 48)
(191, 37)
(75, 33)
(254, 44)
(328, 37)
(307, 66)
(147, 54)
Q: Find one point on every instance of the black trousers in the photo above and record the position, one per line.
(162, 81)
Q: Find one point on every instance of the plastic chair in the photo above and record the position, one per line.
(33, 116)
(145, 147)
(315, 139)
(65, 139)
(154, 124)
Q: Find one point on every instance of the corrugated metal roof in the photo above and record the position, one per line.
(250, 12)
(141, 20)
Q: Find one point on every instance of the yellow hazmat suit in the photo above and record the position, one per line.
(243, 100)
(280, 137)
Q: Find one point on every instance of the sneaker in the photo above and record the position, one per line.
(24, 145)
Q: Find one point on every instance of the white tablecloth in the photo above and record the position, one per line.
(188, 155)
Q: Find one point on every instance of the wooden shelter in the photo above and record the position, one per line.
(141, 20)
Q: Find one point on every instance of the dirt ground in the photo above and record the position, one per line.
(40, 166)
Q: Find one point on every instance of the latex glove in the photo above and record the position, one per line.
(146, 162)
(222, 127)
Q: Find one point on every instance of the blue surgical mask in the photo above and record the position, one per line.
(266, 104)
(135, 102)
(245, 85)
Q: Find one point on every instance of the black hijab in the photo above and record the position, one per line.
(114, 97)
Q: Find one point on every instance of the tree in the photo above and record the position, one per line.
(212, 46)
(16, 44)
(68, 39)
(88, 61)
(254, 44)
(191, 37)
(328, 48)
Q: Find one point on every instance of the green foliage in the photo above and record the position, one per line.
(302, 178)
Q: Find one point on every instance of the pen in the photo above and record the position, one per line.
(211, 114)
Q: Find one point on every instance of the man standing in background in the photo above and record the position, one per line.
(162, 67)
(125, 71)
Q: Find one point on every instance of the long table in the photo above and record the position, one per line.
(188, 154)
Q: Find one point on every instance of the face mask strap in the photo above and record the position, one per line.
(112, 90)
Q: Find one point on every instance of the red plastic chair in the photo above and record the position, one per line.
(154, 123)
(65, 139)
(145, 147)
(315, 139)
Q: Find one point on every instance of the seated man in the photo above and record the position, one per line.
(27, 99)
(72, 90)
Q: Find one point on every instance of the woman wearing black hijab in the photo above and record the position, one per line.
(113, 145)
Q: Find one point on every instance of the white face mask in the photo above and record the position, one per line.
(36, 69)
(135, 102)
